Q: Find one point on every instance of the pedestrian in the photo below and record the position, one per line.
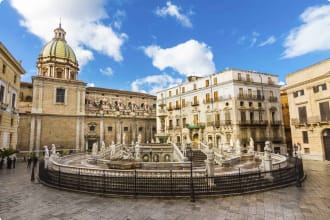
(8, 163)
(29, 162)
(1, 163)
(24, 158)
(14, 161)
(35, 161)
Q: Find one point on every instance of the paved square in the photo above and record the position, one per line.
(21, 199)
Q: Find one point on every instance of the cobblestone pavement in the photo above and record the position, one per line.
(22, 199)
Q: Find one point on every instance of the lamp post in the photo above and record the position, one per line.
(190, 156)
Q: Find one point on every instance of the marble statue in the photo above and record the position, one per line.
(124, 138)
(94, 149)
(238, 147)
(53, 150)
(112, 149)
(251, 146)
(46, 151)
(137, 151)
(139, 138)
(267, 150)
(102, 146)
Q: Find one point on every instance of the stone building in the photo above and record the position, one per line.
(57, 108)
(10, 77)
(286, 118)
(232, 105)
(308, 98)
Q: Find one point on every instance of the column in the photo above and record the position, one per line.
(32, 133)
(78, 101)
(82, 135)
(38, 137)
(83, 102)
(77, 133)
(39, 108)
(34, 101)
(101, 130)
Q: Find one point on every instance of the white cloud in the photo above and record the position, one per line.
(90, 84)
(154, 83)
(269, 41)
(118, 16)
(281, 83)
(174, 11)
(1, 1)
(107, 71)
(188, 58)
(254, 38)
(312, 35)
(82, 21)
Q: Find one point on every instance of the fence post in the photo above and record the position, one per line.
(135, 181)
(59, 176)
(297, 166)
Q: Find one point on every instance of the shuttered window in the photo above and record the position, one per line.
(324, 111)
(302, 114)
(305, 137)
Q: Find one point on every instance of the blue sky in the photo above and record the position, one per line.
(147, 45)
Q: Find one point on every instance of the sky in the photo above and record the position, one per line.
(150, 45)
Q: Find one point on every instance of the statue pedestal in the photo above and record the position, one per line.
(267, 163)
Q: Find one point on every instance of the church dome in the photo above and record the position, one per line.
(58, 47)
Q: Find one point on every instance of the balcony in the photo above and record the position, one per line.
(314, 120)
(169, 109)
(276, 123)
(250, 97)
(178, 107)
(170, 127)
(253, 122)
(273, 99)
(194, 103)
(196, 126)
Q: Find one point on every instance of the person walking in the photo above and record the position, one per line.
(14, 161)
(29, 162)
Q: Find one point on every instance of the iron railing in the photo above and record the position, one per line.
(170, 183)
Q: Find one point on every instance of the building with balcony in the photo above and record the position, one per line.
(10, 77)
(308, 98)
(232, 104)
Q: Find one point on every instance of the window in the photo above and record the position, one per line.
(15, 78)
(195, 119)
(248, 77)
(305, 137)
(324, 111)
(169, 93)
(270, 81)
(298, 93)
(184, 121)
(2, 93)
(271, 93)
(273, 116)
(183, 90)
(12, 122)
(259, 104)
(216, 96)
(227, 117)
(208, 98)
(259, 94)
(3, 68)
(59, 74)
(183, 103)
(250, 93)
(240, 92)
(195, 86)
(176, 92)
(215, 80)
(140, 128)
(195, 100)
(170, 124)
(207, 83)
(60, 95)
(260, 116)
(13, 100)
(109, 128)
(217, 117)
(92, 128)
(250, 104)
(251, 116)
(302, 114)
(243, 116)
(177, 104)
(320, 88)
(72, 76)
(239, 76)
(170, 106)
(241, 103)
(178, 122)
(125, 128)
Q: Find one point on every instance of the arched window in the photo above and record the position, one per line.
(59, 73)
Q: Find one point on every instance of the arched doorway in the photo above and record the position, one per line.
(326, 143)
(195, 137)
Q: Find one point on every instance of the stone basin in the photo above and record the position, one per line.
(124, 165)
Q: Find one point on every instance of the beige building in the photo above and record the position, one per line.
(57, 108)
(232, 105)
(309, 97)
(10, 77)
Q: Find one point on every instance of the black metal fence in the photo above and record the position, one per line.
(171, 186)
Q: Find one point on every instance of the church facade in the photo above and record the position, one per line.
(57, 108)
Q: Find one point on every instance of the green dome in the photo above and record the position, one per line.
(58, 48)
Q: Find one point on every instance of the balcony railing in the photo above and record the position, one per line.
(276, 123)
(194, 103)
(250, 97)
(272, 99)
(310, 120)
(178, 107)
(253, 122)
(169, 109)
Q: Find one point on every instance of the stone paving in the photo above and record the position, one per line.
(22, 199)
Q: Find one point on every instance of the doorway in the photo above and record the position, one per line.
(326, 143)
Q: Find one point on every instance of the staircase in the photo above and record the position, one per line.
(198, 158)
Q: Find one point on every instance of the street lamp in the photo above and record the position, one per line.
(190, 157)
